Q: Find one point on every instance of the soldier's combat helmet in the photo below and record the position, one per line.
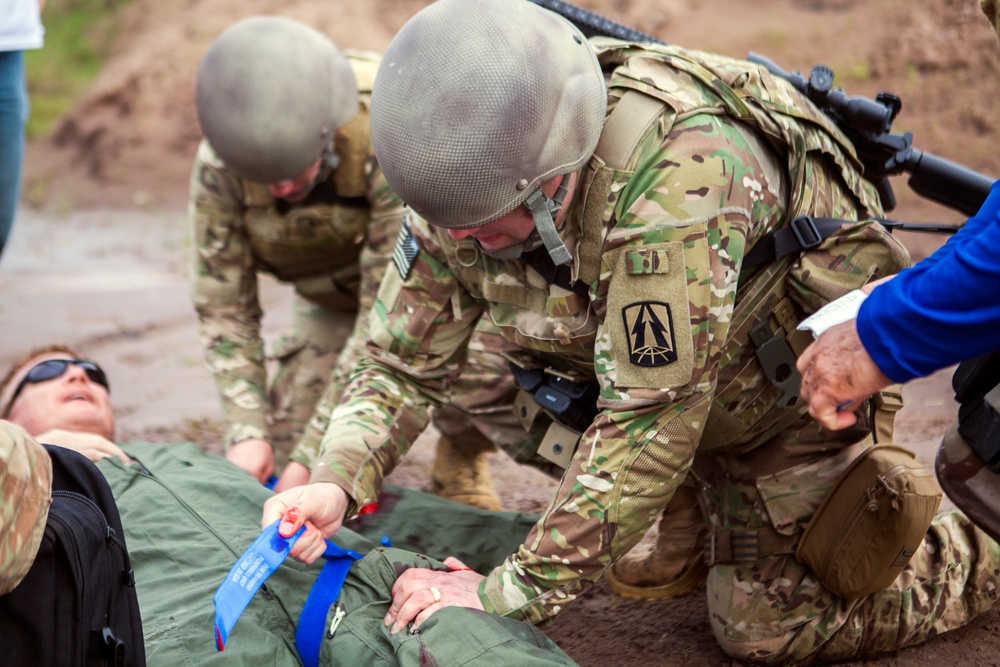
(271, 92)
(477, 103)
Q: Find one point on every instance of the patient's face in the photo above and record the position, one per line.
(72, 402)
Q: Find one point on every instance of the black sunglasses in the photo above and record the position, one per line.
(53, 368)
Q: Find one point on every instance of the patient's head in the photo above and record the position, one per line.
(54, 388)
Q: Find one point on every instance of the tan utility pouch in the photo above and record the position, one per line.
(871, 523)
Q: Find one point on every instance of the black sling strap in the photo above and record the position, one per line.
(803, 233)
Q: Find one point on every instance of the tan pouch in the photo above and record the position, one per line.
(871, 522)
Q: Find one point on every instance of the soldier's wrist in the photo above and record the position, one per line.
(252, 439)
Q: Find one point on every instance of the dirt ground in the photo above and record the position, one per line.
(98, 258)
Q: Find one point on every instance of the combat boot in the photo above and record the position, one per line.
(463, 475)
(968, 482)
(674, 566)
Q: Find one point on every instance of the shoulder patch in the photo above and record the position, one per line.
(406, 248)
(649, 329)
(648, 316)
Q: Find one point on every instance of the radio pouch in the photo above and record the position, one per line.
(871, 522)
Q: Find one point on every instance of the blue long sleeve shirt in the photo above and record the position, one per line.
(943, 310)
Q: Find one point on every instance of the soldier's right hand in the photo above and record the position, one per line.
(255, 455)
(837, 374)
(320, 506)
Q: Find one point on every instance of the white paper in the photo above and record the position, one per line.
(843, 309)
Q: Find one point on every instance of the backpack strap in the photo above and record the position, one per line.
(353, 139)
(326, 589)
(624, 128)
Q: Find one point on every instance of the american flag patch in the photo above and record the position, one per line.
(406, 249)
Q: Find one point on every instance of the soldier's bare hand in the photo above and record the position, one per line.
(420, 592)
(255, 455)
(837, 374)
(320, 507)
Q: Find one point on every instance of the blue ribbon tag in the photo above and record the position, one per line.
(263, 557)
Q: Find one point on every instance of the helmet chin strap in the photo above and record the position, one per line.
(329, 157)
(511, 252)
(543, 210)
(328, 161)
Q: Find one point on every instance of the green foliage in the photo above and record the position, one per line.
(78, 37)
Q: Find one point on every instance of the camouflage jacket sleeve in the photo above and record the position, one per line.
(664, 301)
(383, 228)
(224, 292)
(418, 338)
(26, 481)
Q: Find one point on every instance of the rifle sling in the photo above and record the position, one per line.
(803, 233)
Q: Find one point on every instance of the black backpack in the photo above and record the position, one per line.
(77, 605)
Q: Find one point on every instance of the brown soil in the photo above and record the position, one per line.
(98, 258)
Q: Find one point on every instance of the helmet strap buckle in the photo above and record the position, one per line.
(329, 156)
(542, 208)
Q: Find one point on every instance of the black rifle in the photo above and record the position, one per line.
(594, 25)
(867, 123)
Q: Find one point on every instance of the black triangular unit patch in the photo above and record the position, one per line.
(649, 328)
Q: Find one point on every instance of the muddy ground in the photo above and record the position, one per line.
(99, 256)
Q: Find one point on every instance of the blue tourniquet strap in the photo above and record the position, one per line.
(309, 633)
(261, 558)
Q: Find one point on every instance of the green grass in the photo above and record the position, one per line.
(78, 37)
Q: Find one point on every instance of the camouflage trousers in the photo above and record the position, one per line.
(305, 360)
(774, 610)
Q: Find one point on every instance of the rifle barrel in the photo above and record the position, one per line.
(947, 182)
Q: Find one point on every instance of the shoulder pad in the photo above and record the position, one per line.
(365, 65)
(207, 155)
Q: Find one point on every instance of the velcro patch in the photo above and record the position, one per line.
(648, 316)
(406, 249)
(649, 328)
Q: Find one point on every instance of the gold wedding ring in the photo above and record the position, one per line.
(436, 593)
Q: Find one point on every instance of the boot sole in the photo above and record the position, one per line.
(687, 582)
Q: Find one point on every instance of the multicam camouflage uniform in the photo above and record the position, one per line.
(26, 482)
(332, 246)
(659, 235)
